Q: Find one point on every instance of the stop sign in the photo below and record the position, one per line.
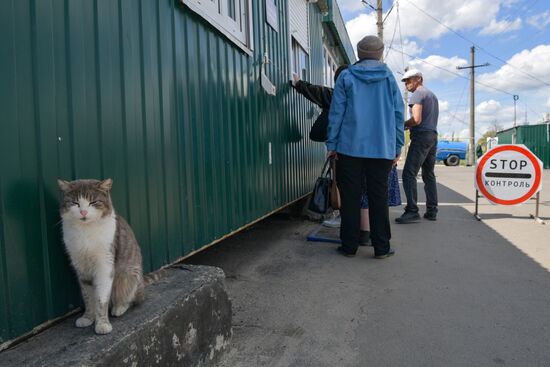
(508, 174)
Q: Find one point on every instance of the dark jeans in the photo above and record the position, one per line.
(350, 173)
(421, 154)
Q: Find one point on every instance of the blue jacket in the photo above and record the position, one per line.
(366, 113)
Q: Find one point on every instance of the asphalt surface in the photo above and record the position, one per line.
(458, 292)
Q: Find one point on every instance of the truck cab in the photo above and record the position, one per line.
(451, 152)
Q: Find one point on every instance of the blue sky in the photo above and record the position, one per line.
(435, 37)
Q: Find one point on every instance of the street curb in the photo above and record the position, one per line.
(185, 321)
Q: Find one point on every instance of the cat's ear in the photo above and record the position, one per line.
(106, 185)
(63, 185)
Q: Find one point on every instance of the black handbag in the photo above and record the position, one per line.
(318, 131)
(320, 199)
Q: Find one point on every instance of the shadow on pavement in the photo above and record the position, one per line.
(455, 294)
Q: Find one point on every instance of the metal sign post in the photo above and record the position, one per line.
(536, 216)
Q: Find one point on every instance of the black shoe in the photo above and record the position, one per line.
(364, 239)
(408, 217)
(430, 216)
(391, 252)
(343, 251)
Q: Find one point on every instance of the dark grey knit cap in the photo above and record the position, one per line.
(370, 47)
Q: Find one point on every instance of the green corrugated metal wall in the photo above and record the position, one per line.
(535, 137)
(505, 137)
(147, 93)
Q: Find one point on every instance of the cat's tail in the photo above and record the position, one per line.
(154, 276)
(147, 280)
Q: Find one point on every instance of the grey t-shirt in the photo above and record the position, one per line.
(430, 109)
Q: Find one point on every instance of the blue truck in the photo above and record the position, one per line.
(451, 152)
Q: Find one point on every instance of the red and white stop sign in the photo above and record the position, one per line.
(508, 174)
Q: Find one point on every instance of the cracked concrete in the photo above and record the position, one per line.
(179, 307)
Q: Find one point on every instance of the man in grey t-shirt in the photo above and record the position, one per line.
(423, 125)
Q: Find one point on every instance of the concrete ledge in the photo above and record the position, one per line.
(184, 321)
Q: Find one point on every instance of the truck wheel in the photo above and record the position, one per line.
(452, 160)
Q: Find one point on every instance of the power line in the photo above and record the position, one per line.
(510, 16)
(460, 99)
(456, 74)
(392, 37)
(400, 38)
(475, 44)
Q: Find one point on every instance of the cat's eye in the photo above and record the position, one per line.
(95, 203)
(76, 203)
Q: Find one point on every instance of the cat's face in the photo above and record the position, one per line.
(85, 201)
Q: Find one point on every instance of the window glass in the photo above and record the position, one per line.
(300, 61)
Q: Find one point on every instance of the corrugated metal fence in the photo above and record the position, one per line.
(535, 137)
(147, 93)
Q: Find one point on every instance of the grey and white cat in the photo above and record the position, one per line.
(103, 250)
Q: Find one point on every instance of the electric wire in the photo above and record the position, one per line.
(392, 38)
(456, 74)
(510, 16)
(476, 45)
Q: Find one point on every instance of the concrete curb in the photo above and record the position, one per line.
(185, 321)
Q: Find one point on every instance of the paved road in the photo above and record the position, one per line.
(457, 293)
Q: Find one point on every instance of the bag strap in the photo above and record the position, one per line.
(326, 168)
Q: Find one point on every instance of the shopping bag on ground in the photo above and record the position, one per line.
(320, 199)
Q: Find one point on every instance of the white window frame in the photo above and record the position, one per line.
(238, 30)
(329, 67)
(294, 44)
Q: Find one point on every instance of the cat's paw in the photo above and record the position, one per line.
(119, 310)
(103, 328)
(84, 321)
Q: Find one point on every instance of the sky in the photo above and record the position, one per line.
(435, 36)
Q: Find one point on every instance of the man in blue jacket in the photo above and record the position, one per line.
(366, 134)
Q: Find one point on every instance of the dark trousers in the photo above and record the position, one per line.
(421, 154)
(350, 173)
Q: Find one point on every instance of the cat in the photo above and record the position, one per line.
(103, 251)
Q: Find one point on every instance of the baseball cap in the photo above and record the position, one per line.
(410, 73)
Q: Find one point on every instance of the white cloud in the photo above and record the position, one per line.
(490, 113)
(496, 27)
(548, 102)
(361, 26)
(350, 6)
(513, 78)
(414, 21)
(456, 14)
(365, 24)
(443, 106)
(540, 21)
(434, 67)
(488, 107)
(398, 61)
(464, 134)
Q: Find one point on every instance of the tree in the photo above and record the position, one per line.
(491, 133)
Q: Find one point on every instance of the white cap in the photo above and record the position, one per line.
(410, 73)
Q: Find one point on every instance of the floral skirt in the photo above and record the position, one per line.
(394, 195)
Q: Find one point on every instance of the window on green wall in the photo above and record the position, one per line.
(329, 68)
(300, 60)
(231, 17)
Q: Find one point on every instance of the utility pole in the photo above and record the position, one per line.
(472, 151)
(380, 21)
(516, 97)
